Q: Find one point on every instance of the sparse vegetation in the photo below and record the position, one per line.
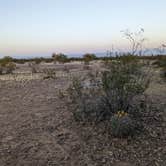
(161, 62)
(120, 84)
(110, 100)
(61, 58)
(7, 66)
(33, 66)
(89, 57)
(49, 74)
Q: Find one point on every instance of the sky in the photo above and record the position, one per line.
(41, 27)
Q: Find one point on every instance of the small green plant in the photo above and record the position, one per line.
(7, 66)
(122, 124)
(5, 60)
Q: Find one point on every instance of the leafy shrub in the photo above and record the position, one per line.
(118, 89)
(122, 125)
(6, 65)
(10, 67)
(62, 58)
(5, 60)
(89, 57)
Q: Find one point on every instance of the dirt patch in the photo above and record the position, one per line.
(36, 128)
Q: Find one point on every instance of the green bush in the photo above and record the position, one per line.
(88, 57)
(6, 65)
(5, 60)
(118, 88)
(62, 58)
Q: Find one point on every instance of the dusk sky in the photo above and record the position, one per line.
(41, 27)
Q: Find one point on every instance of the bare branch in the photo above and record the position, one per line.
(136, 39)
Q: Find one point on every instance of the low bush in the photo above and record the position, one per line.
(161, 62)
(10, 67)
(7, 66)
(118, 88)
(33, 66)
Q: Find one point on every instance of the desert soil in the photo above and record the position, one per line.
(37, 129)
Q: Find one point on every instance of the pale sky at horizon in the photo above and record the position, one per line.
(29, 27)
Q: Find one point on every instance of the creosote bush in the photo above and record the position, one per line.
(118, 89)
(7, 66)
(10, 67)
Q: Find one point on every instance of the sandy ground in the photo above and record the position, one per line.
(37, 129)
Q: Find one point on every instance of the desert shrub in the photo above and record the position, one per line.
(1, 70)
(10, 67)
(49, 73)
(6, 65)
(61, 58)
(161, 62)
(89, 57)
(33, 66)
(5, 60)
(85, 100)
(38, 60)
(122, 124)
(119, 89)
